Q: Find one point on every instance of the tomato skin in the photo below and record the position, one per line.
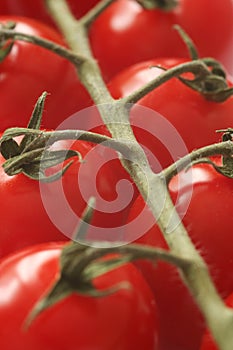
(126, 33)
(208, 226)
(208, 343)
(29, 70)
(54, 209)
(36, 9)
(76, 321)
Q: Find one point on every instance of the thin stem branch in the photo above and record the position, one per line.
(54, 136)
(136, 251)
(119, 146)
(222, 148)
(46, 44)
(151, 253)
(195, 67)
(85, 221)
(164, 5)
(91, 15)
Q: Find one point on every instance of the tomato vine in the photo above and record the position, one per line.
(194, 271)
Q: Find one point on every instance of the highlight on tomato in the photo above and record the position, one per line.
(126, 33)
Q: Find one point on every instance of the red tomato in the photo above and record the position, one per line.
(29, 70)
(208, 343)
(124, 320)
(126, 33)
(55, 208)
(207, 219)
(36, 9)
(173, 119)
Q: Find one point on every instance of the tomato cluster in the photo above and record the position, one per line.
(133, 45)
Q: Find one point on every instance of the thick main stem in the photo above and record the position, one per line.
(218, 317)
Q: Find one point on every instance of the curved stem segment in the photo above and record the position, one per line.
(208, 80)
(222, 148)
(196, 67)
(50, 137)
(95, 12)
(46, 44)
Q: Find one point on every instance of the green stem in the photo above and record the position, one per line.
(140, 251)
(85, 220)
(222, 148)
(89, 73)
(196, 67)
(193, 53)
(50, 137)
(46, 44)
(81, 264)
(209, 80)
(95, 12)
(165, 5)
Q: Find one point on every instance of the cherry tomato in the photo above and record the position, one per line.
(28, 70)
(173, 119)
(54, 209)
(36, 9)
(203, 198)
(124, 320)
(126, 33)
